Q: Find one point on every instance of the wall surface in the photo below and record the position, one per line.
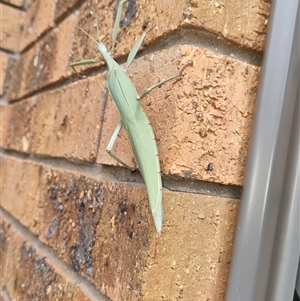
(75, 225)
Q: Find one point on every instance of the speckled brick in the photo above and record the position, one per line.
(11, 27)
(104, 230)
(203, 118)
(39, 18)
(27, 274)
(67, 122)
(192, 260)
(17, 126)
(4, 59)
(45, 63)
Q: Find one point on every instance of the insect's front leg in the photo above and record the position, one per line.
(82, 63)
(136, 48)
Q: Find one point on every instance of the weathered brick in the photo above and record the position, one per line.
(102, 228)
(47, 280)
(242, 22)
(105, 231)
(45, 63)
(18, 3)
(67, 121)
(17, 125)
(11, 27)
(4, 64)
(39, 18)
(20, 181)
(204, 117)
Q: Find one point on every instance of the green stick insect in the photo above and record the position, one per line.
(134, 119)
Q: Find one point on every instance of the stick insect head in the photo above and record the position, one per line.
(99, 44)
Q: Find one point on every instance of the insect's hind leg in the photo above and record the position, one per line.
(149, 89)
(111, 144)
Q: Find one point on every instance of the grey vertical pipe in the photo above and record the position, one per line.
(266, 250)
(285, 253)
(298, 281)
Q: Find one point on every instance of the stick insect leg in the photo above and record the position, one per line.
(117, 24)
(149, 89)
(137, 44)
(82, 63)
(111, 144)
(136, 48)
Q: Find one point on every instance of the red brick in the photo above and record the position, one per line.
(204, 117)
(105, 231)
(11, 27)
(29, 274)
(67, 121)
(39, 18)
(17, 125)
(45, 63)
(4, 60)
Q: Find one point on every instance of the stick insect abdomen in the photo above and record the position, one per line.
(144, 146)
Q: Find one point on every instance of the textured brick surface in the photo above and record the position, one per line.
(204, 117)
(27, 274)
(4, 64)
(105, 231)
(67, 121)
(242, 22)
(63, 7)
(39, 18)
(192, 260)
(17, 126)
(45, 63)
(11, 27)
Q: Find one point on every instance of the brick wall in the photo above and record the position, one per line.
(74, 224)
